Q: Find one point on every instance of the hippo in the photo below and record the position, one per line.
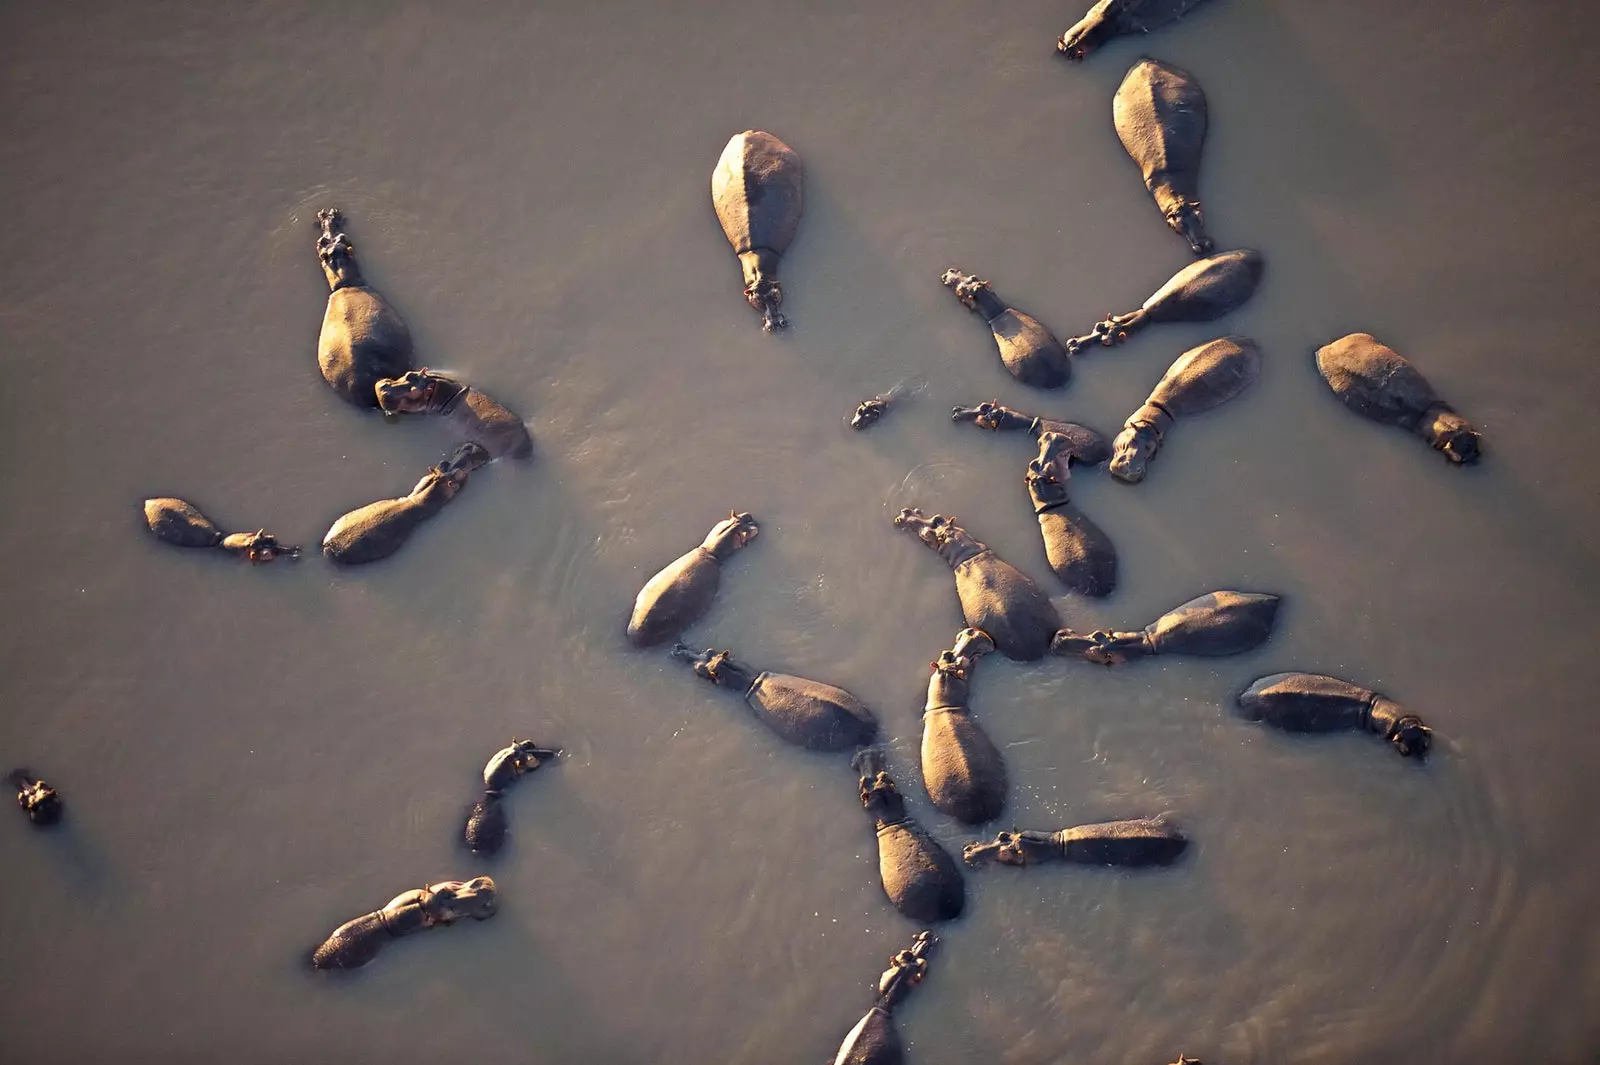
(996, 597)
(870, 411)
(807, 713)
(379, 529)
(1311, 702)
(1143, 841)
(486, 820)
(364, 339)
(472, 414)
(1378, 382)
(1160, 115)
(37, 799)
(179, 522)
(676, 597)
(1212, 625)
(758, 189)
(1113, 18)
(918, 875)
(875, 1040)
(1201, 378)
(357, 942)
(1079, 552)
(1088, 446)
(1203, 291)
(961, 767)
(1030, 352)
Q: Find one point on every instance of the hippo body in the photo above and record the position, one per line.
(1203, 291)
(1211, 625)
(181, 523)
(472, 414)
(1160, 115)
(363, 339)
(1029, 351)
(961, 767)
(1085, 445)
(758, 190)
(918, 875)
(1378, 382)
(1142, 841)
(1312, 702)
(358, 941)
(1114, 18)
(1079, 552)
(804, 712)
(38, 800)
(875, 1040)
(683, 591)
(486, 825)
(1202, 378)
(379, 529)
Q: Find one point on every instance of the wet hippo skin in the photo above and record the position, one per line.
(758, 190)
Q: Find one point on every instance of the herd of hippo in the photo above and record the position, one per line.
(1159, 114)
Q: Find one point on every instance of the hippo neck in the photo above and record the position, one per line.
(986, 303)
(428, 500)
(342, 272)
(960, 549)
(947, 692)
(1381, 714)
(760, 266)
(734, 676)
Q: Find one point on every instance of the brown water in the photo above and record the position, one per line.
(251, 757)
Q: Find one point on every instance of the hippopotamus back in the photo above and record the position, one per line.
(675, 597)
(478, 417)
(1079, 551)
(1207, 288)
(811, 714)
(181, 523)
(353, 943)
(1207, 376)
(961, 767)
(758, 190)
(1218, 623)
(1375, 380)
(363, 341)
(1142, 841)
(1005, 602)
(919, 876)
(873, 1041)
(374, 531)
(1160, 115)
(1306, 702)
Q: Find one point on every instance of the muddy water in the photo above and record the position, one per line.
(252, 757)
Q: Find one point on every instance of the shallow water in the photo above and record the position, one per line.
(252, 757)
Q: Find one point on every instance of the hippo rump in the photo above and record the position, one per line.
(1114, 18)
(358, 941)
(919, 876)
(181, 523)
(875, 1040)
(807, 713)
(681, 593)
(363, 339)
(472, 414)
(961, 767)
(1142, 841)
(1212, 625)
(379, 529)
(758, 190)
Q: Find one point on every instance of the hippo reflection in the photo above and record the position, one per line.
(358, 941)
(471, 413)
(683, 590)
(1142, 841)
(1312, 702)
(363, 338)
(1113, 18)
(805, 712)
(486, 820)
(181, 523)
(918, 875)
(37, 799)
(875, 1040)
(1084, 444)
(1214, 624)
(379, 529)
(961, 767)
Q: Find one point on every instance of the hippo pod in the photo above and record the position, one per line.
(37, 799)
(357, 942)
(379, 529)
(807, 713)
(363, 338)
(918, 875)
(758, 190)
(1160, 115)
(1212, 625)
(961, 767)
(1203, 291)
(1142, 841)
(875, 1040)
(1087, 446)
(486, 820)
(682, 592)
(1029, 351)
(1202, 378)
(471, 413)
(1079, 552)
(1311, 702)
(181, 523)
(1114, 18)
(1378, 382)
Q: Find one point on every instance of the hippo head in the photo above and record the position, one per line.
(452, 900)
(1090, 32)
(37, 799)
(338, 256)
(1132, 451)
(509, 763)
(972, 643)
(1452, 434)
(1411, 737)
(988, 415)
(879, 795)
(1190, 223)
(417, 392)
(1011, 848)
(730, 534)
(931, 531)
(259, 546)
(965, 286)
(868, 413)
(1049, 471)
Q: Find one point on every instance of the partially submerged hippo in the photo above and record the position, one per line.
(919, 876)
(1203, 291)
(758, 189)
(179, 522)
(805, 712)
(37, 799)
(471, 413)
(1160, 115)
(1143, 841)
(875, 1040)
(1378, 382)
(996, 597)
(961, 767)
(1113, 18)
(486, 820)
(869, 411)
(357, 942)
(1213, 625)
(676, 597)
(1311, 702)
(1079, 551)
(1030, 352)
(1202, 378)
(363, 339)
(379, 529)
(1087, 446)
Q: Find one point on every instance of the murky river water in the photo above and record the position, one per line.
(251, 757)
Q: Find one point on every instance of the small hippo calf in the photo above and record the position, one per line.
(37, 799)
(1312, 702)
(875, 1040)
(918, 875)
(486, 820)
(358, 941)
(807, 713)
(379, 529)
(472, 414)
(179, 522)
(683, 590)
(1143, 841)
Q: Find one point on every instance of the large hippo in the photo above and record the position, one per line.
(1142, 841)
(471, 413)
(1203, 291)
(379, 529)
(996, 597)
(758, 189)
(358, 941)
(918, 875)
(961, 767)
(1312, 702)
(1079, 551)
(1201, 378)
(1088, 446)
(875, 1040)
(1213, 625)
(1376, 381)
(486, 820)
(676, 597)
(179, 522)
(1030, 352)
(1113, 18)
(37, 799)
(805, 712)
(364, 339)
(1160, 115)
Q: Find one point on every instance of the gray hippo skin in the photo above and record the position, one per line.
(758, 189)
(875, 1040)
(1113, 18)
(379, 529)
(37, 799)
(1087, 446)
(1378, 382)
(1079, 552)
(486, 820)
(1030, 352)
(1202, 378)
(996, 597)
(1203, 291)
(869, 411)
(961, 767)
(1311, 702)
(682, 592)
(181, 523)
(357, 942)
(1160, 115)
(919, 876)
(363, 338)
(471, 414)
(1212, 625)
(1143, 841)
(807, 713)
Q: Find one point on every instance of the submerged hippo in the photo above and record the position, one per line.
(1311, 702)
(919, 876)
(1143, 841)
(1160, 115)
(869, 411)
(758, 189)
(1088, 446)
(37, 799)
(379, 529)
(181, 523)
(357, 942)
(1213, 625)
(996, 597)
(1113, 18)
(1376, 381)
(1201, 292)
(1202, 378)
(807, 713)
(676, 597)
(364, 339)
(875, 1040)
(1030, 352)
(1079, 552)
(472, 414)
(486, 820)
(961, 767)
